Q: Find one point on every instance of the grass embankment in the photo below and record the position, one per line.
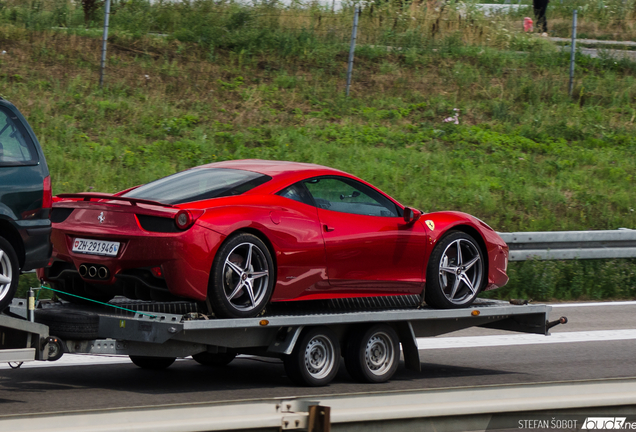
(523, 157)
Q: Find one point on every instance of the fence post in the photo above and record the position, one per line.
(352, 49)
(104, 39)
(572, 53)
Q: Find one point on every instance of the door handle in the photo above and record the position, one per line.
(328, 228)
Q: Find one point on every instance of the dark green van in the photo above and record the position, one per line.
(25, 201)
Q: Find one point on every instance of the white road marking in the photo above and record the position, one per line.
(77, 360)
(594, 304)
(73, 360)
(524, 339)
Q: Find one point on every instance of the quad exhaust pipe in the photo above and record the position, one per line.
(90, 271)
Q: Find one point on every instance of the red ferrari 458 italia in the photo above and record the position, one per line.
(237, 235)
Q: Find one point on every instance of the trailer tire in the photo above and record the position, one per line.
(315, 360)
(69, 324)
(214, 359)
(9, 270)
(372, 354)
(152, 363)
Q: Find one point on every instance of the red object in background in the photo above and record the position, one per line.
(244, 233)
(528, 24)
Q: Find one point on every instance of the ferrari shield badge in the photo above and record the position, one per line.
(430, 224)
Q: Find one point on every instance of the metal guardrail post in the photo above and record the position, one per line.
(352, 49)
(102, 65)
(572, 53)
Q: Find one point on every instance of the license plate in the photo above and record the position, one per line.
(95, 247)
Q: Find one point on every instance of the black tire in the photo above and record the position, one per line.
(69, 324)
(9, 273)
(214, 359)
(236, 273)
(456, 272)
(315, 360)
(372, 354)
(152, 363)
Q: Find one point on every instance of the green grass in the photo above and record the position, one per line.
(524, 156)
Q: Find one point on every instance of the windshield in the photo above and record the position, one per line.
(198, 184)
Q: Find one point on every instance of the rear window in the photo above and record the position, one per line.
(199, 184)
(16, 147)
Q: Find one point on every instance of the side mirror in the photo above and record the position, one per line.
(411, 215)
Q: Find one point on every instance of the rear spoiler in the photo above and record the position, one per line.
(88, 196)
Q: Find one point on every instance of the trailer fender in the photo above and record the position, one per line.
(409, 346)
(285, 340)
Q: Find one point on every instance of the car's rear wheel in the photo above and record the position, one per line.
(242, 277)
(455, 272)
(9, 273)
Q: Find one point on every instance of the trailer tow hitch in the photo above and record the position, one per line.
(550, 324)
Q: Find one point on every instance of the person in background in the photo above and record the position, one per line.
(540, 8)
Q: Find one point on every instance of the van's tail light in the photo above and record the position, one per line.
(47, 197)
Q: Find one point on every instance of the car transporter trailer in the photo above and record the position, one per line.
(367, 332)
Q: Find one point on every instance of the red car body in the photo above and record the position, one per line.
(318, 253)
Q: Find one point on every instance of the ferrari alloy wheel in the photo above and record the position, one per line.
(315, 359)
(455, 273)
(243, 277)
(373, 354)
(9, 273)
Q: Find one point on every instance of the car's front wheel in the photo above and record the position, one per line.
(9, 273)
(242, 277)
(455, 272)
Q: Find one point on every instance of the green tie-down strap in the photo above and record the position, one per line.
(98, 302)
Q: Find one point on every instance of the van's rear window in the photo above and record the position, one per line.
(198, 184)
(16, 147)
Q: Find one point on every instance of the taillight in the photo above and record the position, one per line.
(47, 196)
(184, 219)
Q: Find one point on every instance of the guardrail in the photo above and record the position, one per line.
(563, 245)
(450, 409)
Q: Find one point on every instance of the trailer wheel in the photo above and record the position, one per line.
(242, 277)
(372, 354)
(152, 363)
(9, 273)
(214, 359)
(315, 359)
(455, 272)
(69, 324)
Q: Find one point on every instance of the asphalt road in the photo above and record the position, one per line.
(64, 388)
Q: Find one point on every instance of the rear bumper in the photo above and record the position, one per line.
(185, 259)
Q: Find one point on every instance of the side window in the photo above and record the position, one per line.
(14, 147)
(297, 192)
(349, 196)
